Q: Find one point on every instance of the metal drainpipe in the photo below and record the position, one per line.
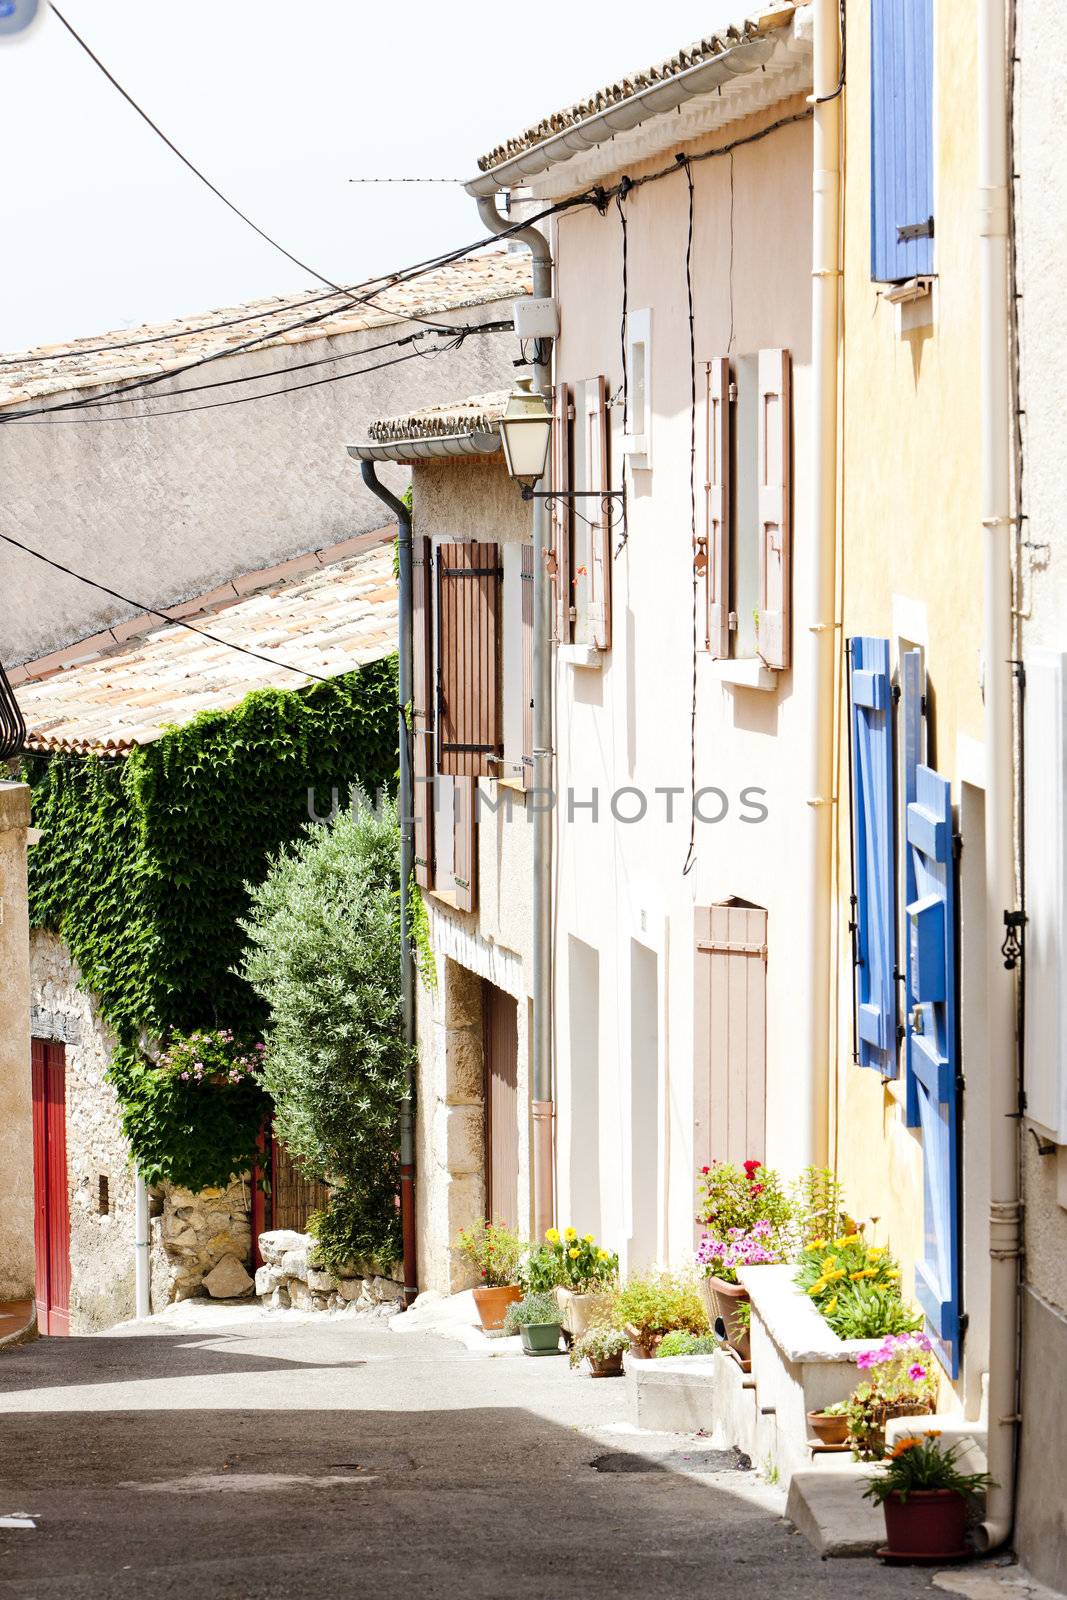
(544, 1110)
(997, 525)
(407, 862)
(142, 1279)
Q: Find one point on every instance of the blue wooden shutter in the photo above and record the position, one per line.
(912, 710)
(932, 1051)
(902, 167)
(874, 855)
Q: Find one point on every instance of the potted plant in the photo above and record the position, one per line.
(603, 1348)
(494, 1252)
(855, 1286)
(901, 1381)
(747, 1216)
(680, 1343)
(830, 1425)
(536, 1319)
(654, 1304)
(581, 1273)
(924, 1496)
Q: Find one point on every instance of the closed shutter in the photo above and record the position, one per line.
(469, 724)
(422, 721)
(527, 582)
(902, 169)
(562, 511)
(730, 1034)
(465, 842)
(874, 855)
(717, 507)
(933, 1054)
(775, 500)
(599, 513)
(912, 699)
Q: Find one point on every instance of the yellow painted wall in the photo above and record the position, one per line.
(910, 528)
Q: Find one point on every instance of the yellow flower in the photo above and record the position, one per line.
(828, 1264)
(850, 1238)
(893, 1273)
(602, 1255)
(817, 1244)
(838, 1272)
(817, 1288)
(830, 1307)
(574, 1254)
(865, 1272)
(552, 1236)
(875, 1252)
(570, 1233)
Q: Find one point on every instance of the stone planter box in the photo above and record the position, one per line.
(579, 1312)
(798, 1363)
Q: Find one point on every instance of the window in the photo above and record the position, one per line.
(902, 182)
(582, 527)
(637, 439)
(744, 550)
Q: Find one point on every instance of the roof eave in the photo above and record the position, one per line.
(653, 101)
(455, 444)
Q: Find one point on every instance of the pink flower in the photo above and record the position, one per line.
(865, 1359)
(183, 1075)
(915, 1372)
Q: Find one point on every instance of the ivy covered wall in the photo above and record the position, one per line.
(143, 859)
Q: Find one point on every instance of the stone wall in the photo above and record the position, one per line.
(288, 1280)
(100, 1179)
(200, 1241)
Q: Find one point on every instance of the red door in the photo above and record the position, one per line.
(51, 1213)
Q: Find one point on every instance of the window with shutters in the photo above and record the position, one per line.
(581, 464)
(902, 170)
(744, 549)
(873, 842)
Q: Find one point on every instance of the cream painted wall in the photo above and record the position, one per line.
(16, 1104)
(621, 888)
(910, 561)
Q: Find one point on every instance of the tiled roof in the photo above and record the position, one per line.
(53, 369)
(109, 697)
(630, 84)
(480, 414)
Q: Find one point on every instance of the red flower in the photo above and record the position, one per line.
(757, 1188)
(705, 1169)
(485, 1274)
(751, 1168)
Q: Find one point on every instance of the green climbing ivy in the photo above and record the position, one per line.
(144, 861)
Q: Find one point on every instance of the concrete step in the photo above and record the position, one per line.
(826, 1504)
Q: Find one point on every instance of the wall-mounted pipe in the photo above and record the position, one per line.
(818, 642)
(142, 1276)
(400, 511)
(997, 527)
(544, 1110)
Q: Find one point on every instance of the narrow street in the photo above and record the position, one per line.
(282, 1456)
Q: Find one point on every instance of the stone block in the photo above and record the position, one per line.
(350, 1288)
(268, 1279)
(280, 1299)
(273, 1246)
(294, 1263)
(464, 1066)
(459, 1138)
(228, 1280)
(321, 1282)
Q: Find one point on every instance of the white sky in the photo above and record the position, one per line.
(279, 104)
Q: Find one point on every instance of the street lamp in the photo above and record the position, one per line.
(525, 430)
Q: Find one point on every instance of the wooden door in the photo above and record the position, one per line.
(500, 1046)
(51, 1211)
(293, 1196)
(730, 1034)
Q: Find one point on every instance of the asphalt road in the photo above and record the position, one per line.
(298, 1458)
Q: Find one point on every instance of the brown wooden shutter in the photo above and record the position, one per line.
(717, 507)
(599, 513)
(465, 842)
(775, 504)
(422, 722)
(562, 511)
(469, 731)
(730, 1034)
(527, 594)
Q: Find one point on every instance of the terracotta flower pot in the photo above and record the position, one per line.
(643, 1344)
(828, 1430)
(540, 1338)
(609, 1367)
(722, 1300)
(928, 1525)
(493, 1303)
(580, 1312)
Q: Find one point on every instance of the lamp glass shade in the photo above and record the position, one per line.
(525, 431)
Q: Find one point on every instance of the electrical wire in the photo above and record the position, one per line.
(823, 99)
(267, 394)
(690, 859)
(152, 611)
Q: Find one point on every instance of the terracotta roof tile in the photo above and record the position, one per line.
(490, 275)
(480, 414)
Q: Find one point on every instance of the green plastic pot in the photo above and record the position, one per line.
(540, 1338)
